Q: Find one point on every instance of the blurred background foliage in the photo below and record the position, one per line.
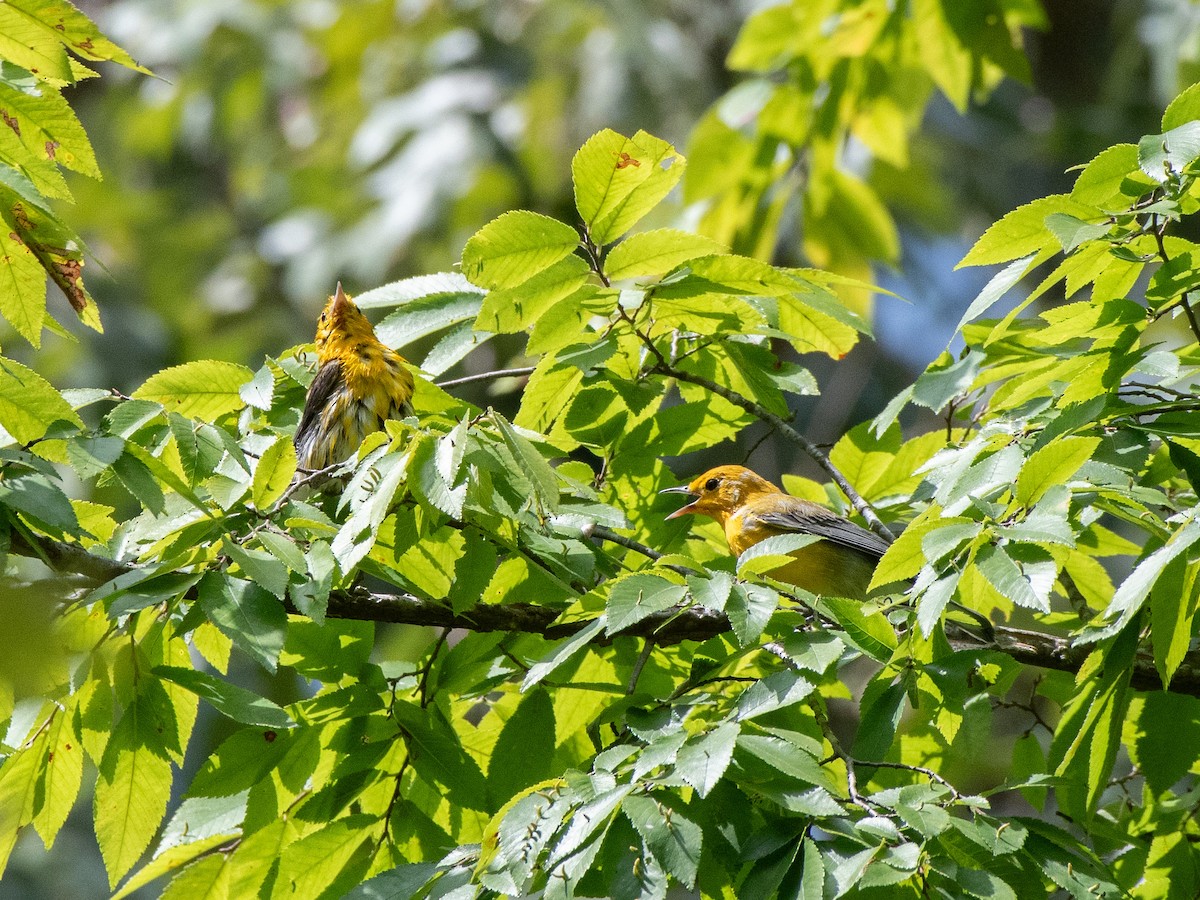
(286, 145)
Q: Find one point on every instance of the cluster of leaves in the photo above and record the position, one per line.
(41, 47)
(1075, 444)
(827, 79)
(596, 758)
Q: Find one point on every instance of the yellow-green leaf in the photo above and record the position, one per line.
(132, 789)
(205, 389)
(514, 247)
(29, 404)
(1053, 464)
(274, 472)
(618, 180)
(654, 253)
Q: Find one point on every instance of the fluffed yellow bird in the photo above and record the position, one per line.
(751, 509)
(360, 383)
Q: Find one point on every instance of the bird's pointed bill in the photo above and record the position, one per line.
(683, 510)
(339, 297)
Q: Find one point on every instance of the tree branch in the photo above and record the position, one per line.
(667, 627)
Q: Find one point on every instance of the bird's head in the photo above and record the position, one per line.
(720, 491)
(341, 321)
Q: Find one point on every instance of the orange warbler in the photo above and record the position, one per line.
(360, 384)
(751, 509)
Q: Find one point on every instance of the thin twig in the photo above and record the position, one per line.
(640, 664)
(607, 534)
(1187, 308)
(487, 376)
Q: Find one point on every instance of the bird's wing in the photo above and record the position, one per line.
(810, 518)
(319, 392)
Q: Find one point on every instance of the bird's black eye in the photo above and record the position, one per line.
(711, 484)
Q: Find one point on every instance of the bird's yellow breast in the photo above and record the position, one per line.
(822, 567)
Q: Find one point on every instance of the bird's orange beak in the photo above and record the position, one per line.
(683, 510)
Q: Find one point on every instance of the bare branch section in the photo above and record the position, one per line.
(671, 626)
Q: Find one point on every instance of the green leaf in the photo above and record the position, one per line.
(1111, 179)
(29, 42)
(946, 378)
(18, 786)
(428, 304)
(882, 707)
(168, 860)
(312, 597)
(205, 389)
(22, 288)
(40, 500)
(137, 478)
(1162, 156)
(777, 691)
(515, 309)
(29, 405)
(1003, 573)
(618, 180)
(563, 652)
(1130, 596)
(750, 607)
(652, 254)
(64, 22)
(871, 633)
(132, 786)
(1052, 465)
(327, 862)
(235, 702)
(1167, 729)
(673, 839)
(1088, 734)
(249, 615)
(274, 472)
(932, 602)
(1183, 109)
(1072, 231)
(533, 465)
(48, 128)
(636, 596)
(1023, 231)
(704, 758)
(284, 549)
(513, 248)
(259, 391)
(710, 591)
(357, 534)
(524, 752)
(784, 757)
(436, 753)
(1174, 599)
(997, 287)
(60, 773)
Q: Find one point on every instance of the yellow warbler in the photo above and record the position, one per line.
(360, 384)
(751, 509)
